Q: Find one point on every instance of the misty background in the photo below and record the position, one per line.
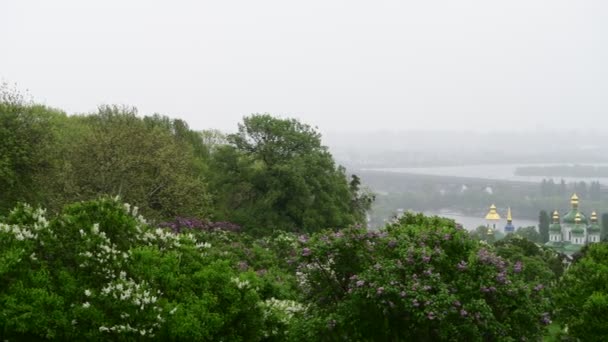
(390, 84)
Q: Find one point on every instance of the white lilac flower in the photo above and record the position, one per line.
(87, 293)
(86, 305)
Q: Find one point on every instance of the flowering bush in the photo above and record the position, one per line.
(98, 271)
(420, 279)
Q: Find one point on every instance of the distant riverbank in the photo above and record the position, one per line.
(506, 172)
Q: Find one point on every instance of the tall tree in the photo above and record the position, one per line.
(595, 191)
(148, 162)
(604, 226)
(276, 174)
(24, 146)
(562, 188)
(581, 189)
(543, 226)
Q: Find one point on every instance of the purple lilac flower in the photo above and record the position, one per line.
(392, 244)
(360, 283)
(261, 272)
(380, 291)
(431, 315)
(462, 265)
(447, 236)
(545, 319)
(426, 288)
(501, 277)
(415, 303)
(463, 313)
(539, 287)
(457, 303)
(243, 266)
(402, 294)
(517, 267)
(306, 252)
(426, 258)
(303, 238)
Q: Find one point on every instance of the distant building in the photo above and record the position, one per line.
(574, 231)
(509, 228)
(493, 218)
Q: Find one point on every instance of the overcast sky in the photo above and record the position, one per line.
(340, 65)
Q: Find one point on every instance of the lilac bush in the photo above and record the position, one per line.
(419, 279)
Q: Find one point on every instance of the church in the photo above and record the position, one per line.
(566, 235)
(574, 230)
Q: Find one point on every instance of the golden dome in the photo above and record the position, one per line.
(555, 217)
(594, 217)
(509, 217)
(574, 201)
(577, 218)
(492, 214)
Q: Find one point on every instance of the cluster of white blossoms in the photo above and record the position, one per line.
(101, 253)
(19, 232)
(126, 289)
(284, 310)
(135, 297)
(303, 271)
(134, 212)
(26, 232)
(241, 284)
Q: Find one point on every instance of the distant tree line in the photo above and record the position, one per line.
(563, 171)
(591, 191)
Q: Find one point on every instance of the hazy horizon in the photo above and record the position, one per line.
(340, 65)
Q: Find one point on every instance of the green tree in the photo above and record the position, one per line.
(529, 233)
(25, 142)
(543, 226)
(604, 225)
(595, 191)
(149, 162)
(582, 297)
(276, 175)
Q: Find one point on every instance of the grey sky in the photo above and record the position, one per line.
(340, 65)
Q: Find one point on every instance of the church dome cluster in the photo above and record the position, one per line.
(574, 230)
(493, 217)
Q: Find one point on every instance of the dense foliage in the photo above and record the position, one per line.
(582, 297)
(420, 279)
(250, 236)
(274, 174)
(98, 271)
